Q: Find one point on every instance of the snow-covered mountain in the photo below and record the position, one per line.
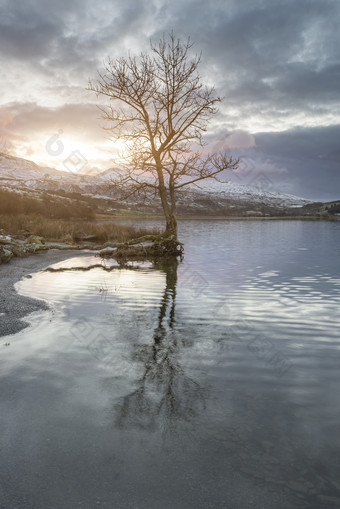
(23, 174)
(209, 196)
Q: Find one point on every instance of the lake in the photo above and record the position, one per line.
(212, 383)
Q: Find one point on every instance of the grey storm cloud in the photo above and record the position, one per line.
(311, 157)
(261, 51)
(301, 161)
(66, 32)
(275, 62)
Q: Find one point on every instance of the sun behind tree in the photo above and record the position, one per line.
(160, 108)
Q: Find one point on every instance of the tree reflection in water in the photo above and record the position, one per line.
(165, 397)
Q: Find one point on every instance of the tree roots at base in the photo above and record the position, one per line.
(150, 247)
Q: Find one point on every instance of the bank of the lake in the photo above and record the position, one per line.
(14, 307)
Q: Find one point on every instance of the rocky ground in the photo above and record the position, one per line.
(146, 247)
(12, 246)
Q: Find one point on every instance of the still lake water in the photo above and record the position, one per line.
(211, 384)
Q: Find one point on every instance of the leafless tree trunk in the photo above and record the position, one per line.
(160, 108)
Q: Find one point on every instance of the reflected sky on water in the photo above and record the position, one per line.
(209, 383)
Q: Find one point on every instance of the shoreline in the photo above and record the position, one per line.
(15, 307)
(223, 218)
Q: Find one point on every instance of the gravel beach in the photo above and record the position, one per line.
(14, 307)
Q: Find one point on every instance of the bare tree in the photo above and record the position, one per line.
(160, 108)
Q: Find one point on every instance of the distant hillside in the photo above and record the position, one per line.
(103, 193)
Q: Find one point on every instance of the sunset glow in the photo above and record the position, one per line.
(279, 79)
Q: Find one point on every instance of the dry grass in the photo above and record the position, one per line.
(69, 231)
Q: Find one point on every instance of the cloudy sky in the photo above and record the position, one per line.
(275, 62)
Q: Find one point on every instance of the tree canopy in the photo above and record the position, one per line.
(159, 106)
